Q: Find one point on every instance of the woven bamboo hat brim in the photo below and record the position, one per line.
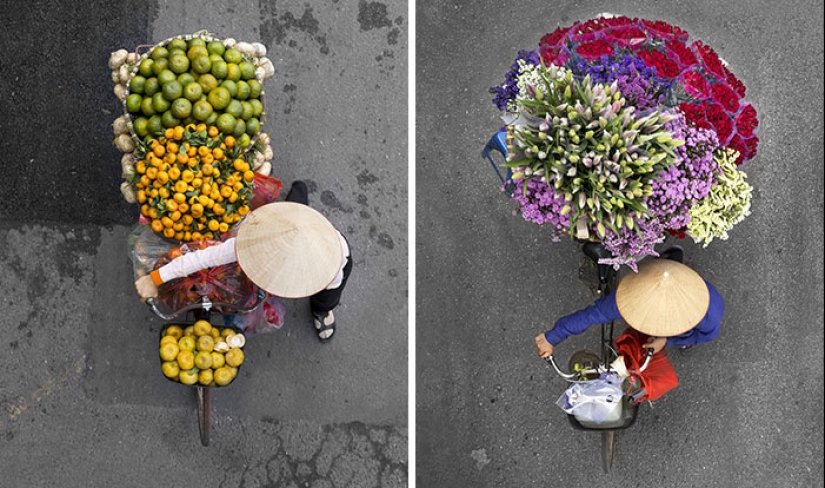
(664, 298)
(288, 249)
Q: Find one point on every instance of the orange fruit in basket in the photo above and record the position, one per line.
(169, 351)
(186, 343)
(181, 108)
(247, 70)
(196, 50)
(226, 123)
(222, 376)
(232, 55)
(207, 81)
(177, 44)
(215, 47)
(233, 72)
(206, 343)
(219, 97)
(202, 327)
(175, 331)
(203, 360)
(170, 369)
(159, 52)
(189, 377)
(186, 360)
(234, 357)
(205, 377)
(168, 340)
(145, 68)
(219, 69)
(218, 360)
(178, 63)
(255, 89)
(201, 110)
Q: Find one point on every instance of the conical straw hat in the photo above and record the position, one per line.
(664, 298)
(288, 249)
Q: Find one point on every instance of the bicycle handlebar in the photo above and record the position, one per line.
(571, 377)
(207, 305)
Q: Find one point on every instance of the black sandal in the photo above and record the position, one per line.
(321, 326)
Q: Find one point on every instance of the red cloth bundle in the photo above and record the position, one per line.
(659, 377)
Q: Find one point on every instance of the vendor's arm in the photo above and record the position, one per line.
(603, 310)
(708, 328)
(339, 277)
(223, 253)
(190, 262)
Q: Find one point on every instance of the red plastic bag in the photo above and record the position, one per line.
(659, 377)
(266, 318)
(265, 189)
(225, 283)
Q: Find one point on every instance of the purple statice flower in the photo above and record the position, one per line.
(507, 92)
(678, 187)
(630, 245)
(638, 83)
(541, 205)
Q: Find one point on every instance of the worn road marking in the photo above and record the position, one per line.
(23, 402)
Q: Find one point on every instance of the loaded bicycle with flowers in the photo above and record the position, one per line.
(619, 130)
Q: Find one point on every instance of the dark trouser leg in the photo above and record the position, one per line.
(298, 193)
(325, 300)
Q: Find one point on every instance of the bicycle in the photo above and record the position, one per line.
(589, 365)
(586, 363)
(205, 310)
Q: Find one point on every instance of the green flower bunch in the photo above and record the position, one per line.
(585, 141)
(727, 204)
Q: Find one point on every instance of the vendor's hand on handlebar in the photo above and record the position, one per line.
(146, 288)
(545, 349)
(656, 343)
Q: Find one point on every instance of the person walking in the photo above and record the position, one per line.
(285, 248)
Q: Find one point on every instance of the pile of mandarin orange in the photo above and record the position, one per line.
(193, 183)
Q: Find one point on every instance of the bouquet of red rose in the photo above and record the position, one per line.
(619, 130)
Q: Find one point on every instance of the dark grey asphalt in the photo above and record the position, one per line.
(82, 400)
(748, 411)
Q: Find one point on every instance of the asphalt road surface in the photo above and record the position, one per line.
(748, 410)
(82, 399)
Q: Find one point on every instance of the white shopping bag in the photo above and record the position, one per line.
(597, 401)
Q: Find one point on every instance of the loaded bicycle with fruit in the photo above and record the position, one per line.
(196, 163)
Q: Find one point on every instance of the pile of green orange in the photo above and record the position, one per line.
(200, 354)
(195, 81)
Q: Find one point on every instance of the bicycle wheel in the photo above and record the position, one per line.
(608, 449)
(204, 413)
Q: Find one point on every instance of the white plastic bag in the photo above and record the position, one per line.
(597, 401)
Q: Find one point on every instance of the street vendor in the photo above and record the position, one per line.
(665, 300)
(285, 248)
